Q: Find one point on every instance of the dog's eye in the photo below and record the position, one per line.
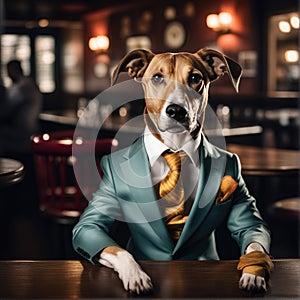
(194, 78)
(157, 79)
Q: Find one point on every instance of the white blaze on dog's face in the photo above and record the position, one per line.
(176, 89)
(175, 92)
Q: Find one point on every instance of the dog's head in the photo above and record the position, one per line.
(176, 86)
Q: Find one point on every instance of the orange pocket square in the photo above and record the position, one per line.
(227, 187)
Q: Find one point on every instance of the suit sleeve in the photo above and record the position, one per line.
(245, 222)
(92, 233)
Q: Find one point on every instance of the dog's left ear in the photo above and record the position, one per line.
(217, 64)
(134, 63)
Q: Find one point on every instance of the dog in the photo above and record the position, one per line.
(176, 87)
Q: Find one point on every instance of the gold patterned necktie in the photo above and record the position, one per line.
(171, 187)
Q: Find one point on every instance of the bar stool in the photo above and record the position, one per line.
(63, 193)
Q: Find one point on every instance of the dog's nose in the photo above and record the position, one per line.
(176, 112)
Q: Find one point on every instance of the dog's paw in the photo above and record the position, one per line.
(253, 283)
(134, 279)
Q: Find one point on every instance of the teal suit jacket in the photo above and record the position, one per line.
(126, 194)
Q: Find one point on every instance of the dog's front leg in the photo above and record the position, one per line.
(134, 279)
(252, 282)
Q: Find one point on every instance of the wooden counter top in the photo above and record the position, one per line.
(171, 279)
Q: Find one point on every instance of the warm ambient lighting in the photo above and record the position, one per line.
(99, 43)
(295, 22)
(286, 27)
(43, 22)
(219, 22)
(291, 56)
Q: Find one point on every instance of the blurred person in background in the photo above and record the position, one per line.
(19, 110)
(20, 105)
(19, 120)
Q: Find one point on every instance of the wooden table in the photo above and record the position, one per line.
(11, 171)
(266, 161)
(172, 279)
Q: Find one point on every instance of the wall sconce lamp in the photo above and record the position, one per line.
(219, 22)
(99, 44)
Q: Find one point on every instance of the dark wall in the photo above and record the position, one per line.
(194, 22)
(249, 33)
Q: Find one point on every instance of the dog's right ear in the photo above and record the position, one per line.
(134, 63)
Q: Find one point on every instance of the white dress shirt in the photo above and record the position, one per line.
(159, 167)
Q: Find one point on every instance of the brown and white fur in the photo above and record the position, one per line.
(176, 93)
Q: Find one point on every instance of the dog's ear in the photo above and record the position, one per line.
(134, 63)
(217, 64)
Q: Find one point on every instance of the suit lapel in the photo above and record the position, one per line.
(212, 166)
(142, 206)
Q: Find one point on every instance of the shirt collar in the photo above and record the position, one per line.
(155, 148)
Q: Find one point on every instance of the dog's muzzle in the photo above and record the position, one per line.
(177, 112)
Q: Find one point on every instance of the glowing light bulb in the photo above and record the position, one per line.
(295, 22)
(291, 56)
(225, 18)
(284, 26)
(212, 21)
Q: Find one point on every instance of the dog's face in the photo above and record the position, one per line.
(175, 92)
(176, 86)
